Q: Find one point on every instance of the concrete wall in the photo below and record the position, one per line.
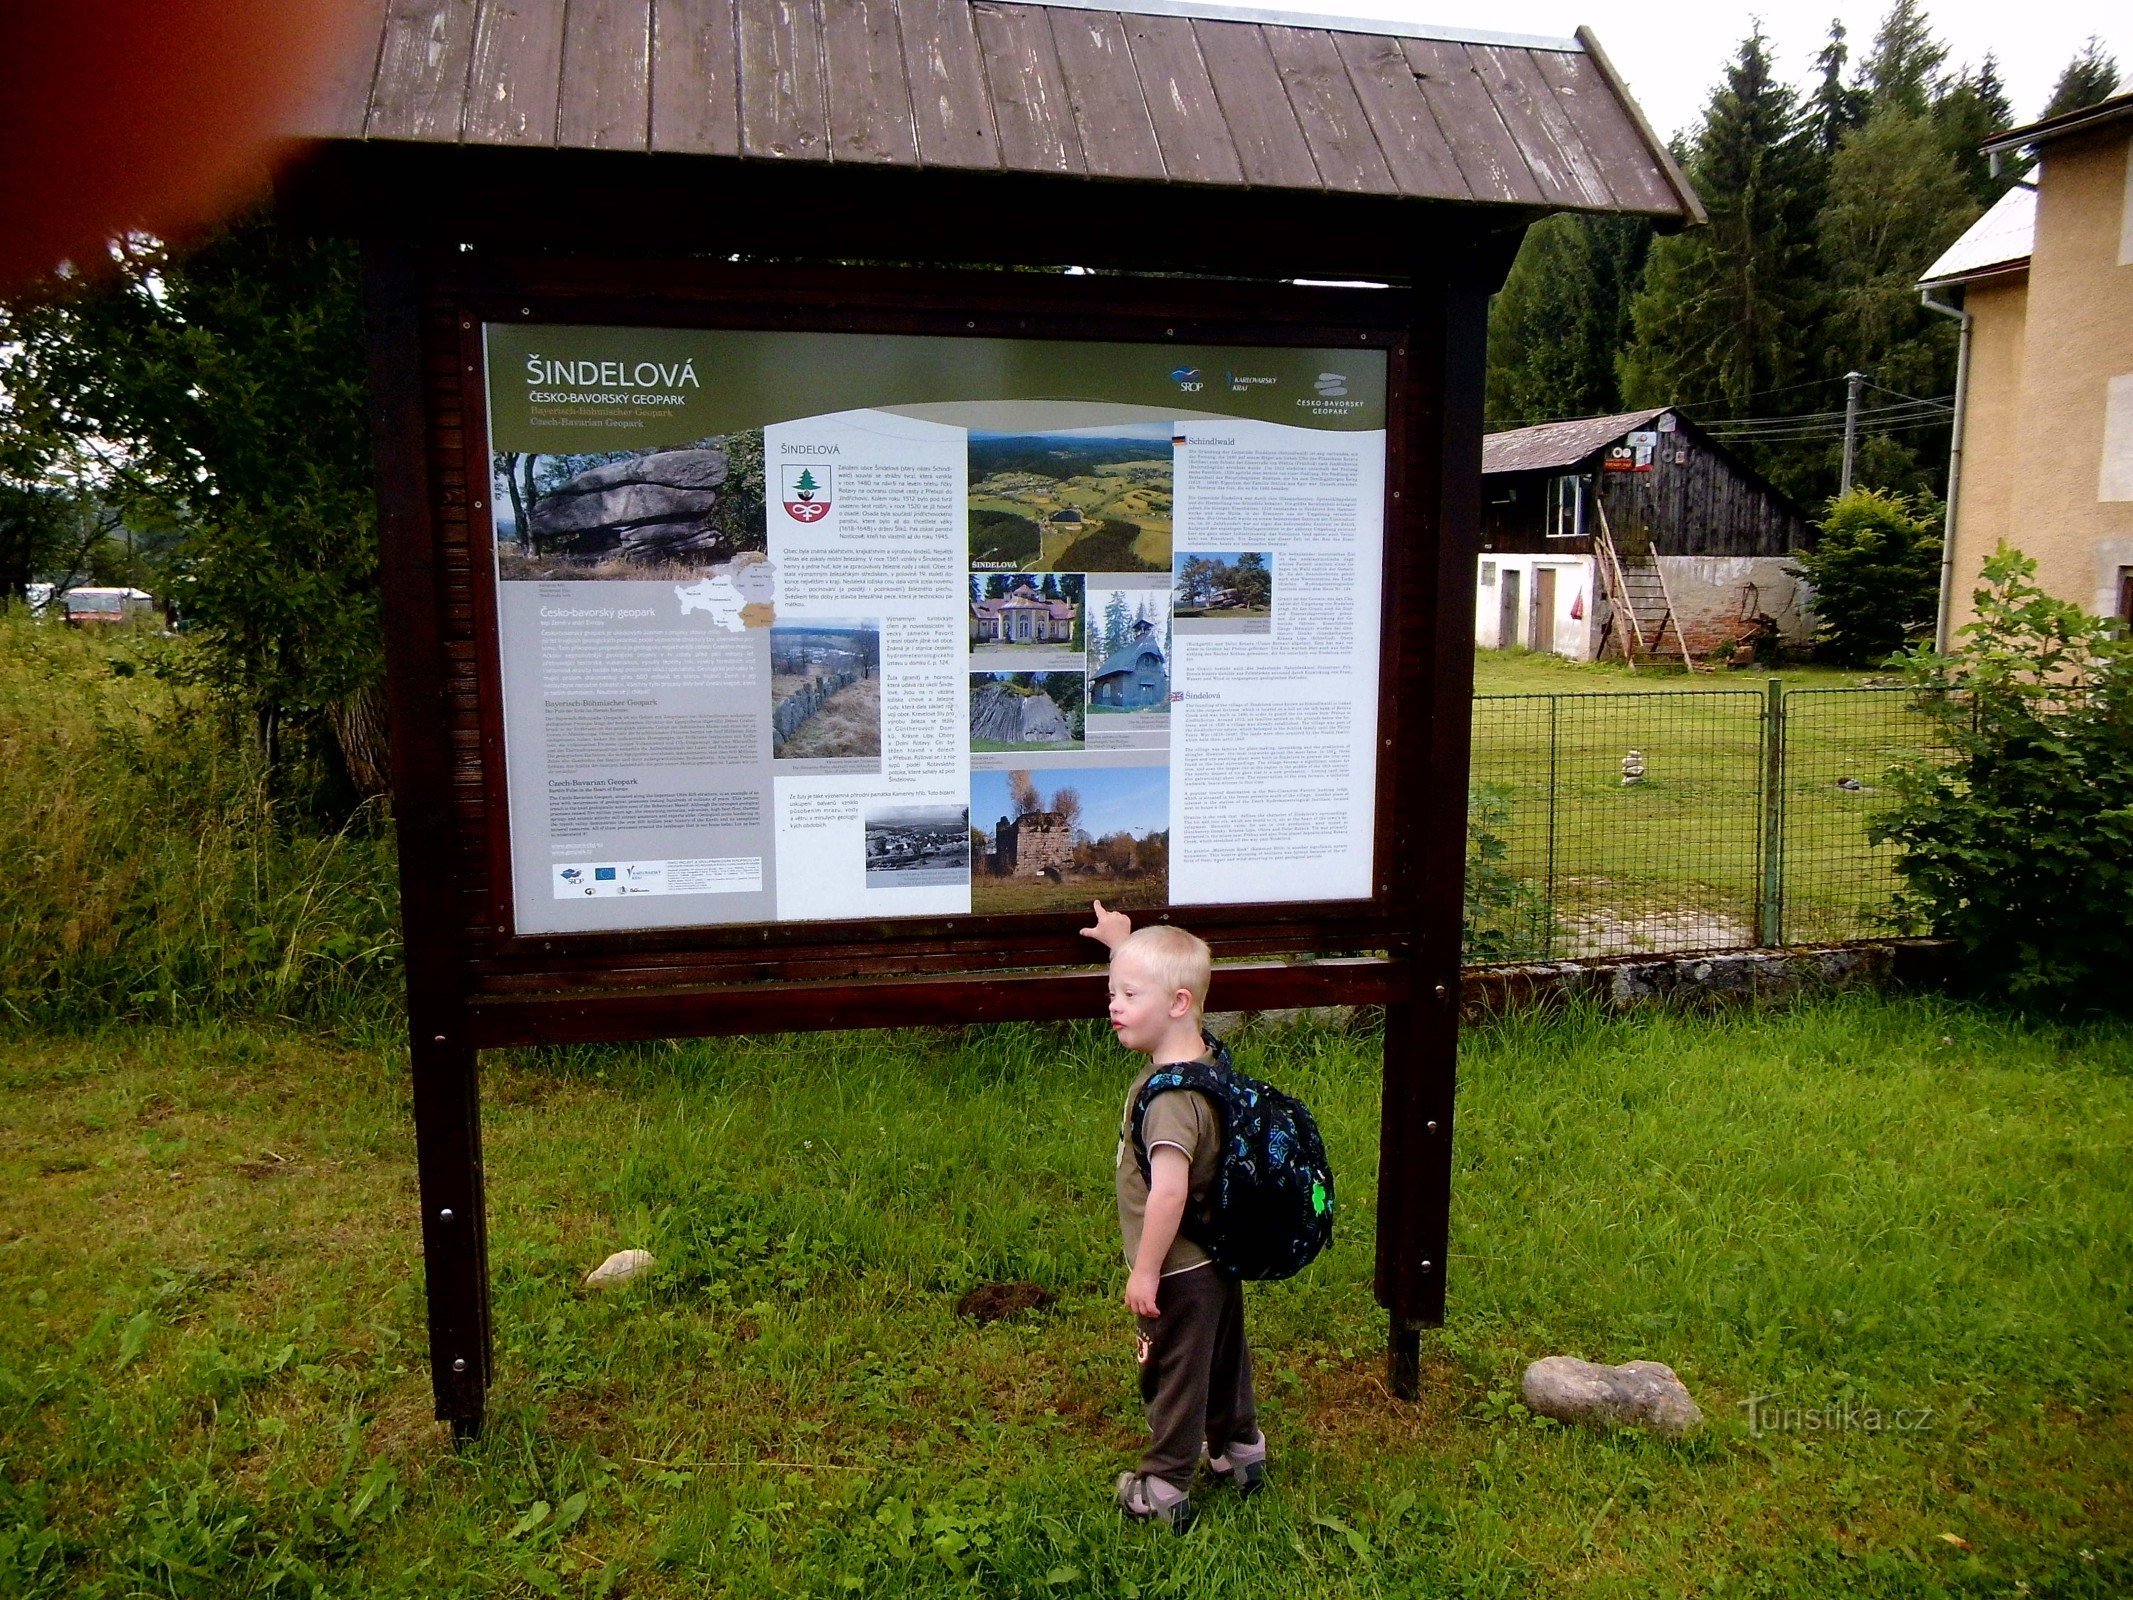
(2047, 457)
(1717, 598)
(1575, 637)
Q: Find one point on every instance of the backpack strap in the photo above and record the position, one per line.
(1204, 1075)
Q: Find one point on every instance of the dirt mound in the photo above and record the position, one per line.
(989, 1302)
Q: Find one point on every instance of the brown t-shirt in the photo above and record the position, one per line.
(1181, 1117)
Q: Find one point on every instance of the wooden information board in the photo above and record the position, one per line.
(780, 648)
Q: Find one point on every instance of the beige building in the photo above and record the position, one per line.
(2044, 432)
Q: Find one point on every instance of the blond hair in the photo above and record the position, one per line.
(1173, 958)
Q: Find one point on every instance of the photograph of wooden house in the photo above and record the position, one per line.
(1635, 536)
(1223, 591)
(1026, 621)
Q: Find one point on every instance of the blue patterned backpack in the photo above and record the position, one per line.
(1269, 1210)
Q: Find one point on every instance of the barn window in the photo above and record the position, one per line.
(1566, 507)
(1488, 574)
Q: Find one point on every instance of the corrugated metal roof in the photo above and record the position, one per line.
(1999, 241)
(1164, 94)
(1559, 444)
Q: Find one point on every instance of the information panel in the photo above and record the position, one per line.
(805, 626)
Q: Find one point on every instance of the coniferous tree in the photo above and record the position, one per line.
(1836, 107)
(1719, 315)
(1562, 315)
(2091, 77)
(1972, 110)
(1904, 70)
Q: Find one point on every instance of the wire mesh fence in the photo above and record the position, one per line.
(1682, 820)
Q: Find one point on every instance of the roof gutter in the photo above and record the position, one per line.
(1926, 297)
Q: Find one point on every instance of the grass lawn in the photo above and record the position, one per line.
(1537, 672)
(1675, 861)
(213, 1384)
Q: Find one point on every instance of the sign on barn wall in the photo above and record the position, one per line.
(798, 626)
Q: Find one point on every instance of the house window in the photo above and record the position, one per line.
(2125, 595)
(1488, 574)
(1566, 507)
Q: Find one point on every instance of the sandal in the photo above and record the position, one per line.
(1242, 1464)
(1146, 1499)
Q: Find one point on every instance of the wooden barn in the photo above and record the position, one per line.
(1637, 535)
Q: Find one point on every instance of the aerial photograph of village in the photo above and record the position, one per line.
(1072, 500)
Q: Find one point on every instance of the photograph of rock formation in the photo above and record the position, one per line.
(655, 514)
(1026, 710)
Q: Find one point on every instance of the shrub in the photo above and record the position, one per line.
(1505, 919)
(2021, 848)
(152, 872)
(1875, 571)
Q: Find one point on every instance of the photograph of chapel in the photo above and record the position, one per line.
(1129, 653)
(1026, 621)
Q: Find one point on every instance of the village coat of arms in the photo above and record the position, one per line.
(807, 494)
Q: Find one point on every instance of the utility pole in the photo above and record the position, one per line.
(1852, 380)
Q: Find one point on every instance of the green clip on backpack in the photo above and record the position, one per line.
(1269, 1210)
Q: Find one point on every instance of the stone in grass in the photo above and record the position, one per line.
(989, 1302)
(1637, 1394)
(624, 1266)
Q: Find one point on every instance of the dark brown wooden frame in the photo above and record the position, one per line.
(473, 985)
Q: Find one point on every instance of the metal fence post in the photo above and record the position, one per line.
(1548, 911)
(1770, 905)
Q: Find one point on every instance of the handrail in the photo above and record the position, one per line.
(1681, 640)
(1619, 580)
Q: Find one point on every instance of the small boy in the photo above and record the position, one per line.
(1195, 1372)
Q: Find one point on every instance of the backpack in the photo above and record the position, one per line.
(1269, 1210)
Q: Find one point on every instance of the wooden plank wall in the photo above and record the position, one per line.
(1706, 506)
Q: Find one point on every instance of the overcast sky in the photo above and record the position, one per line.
(1673, 54)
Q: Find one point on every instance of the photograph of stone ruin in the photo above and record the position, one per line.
(914, 846)
(825, 690)
(679, 512)
(1026, 711)
(1072, 500)
(1026, 621)
(1053, 840)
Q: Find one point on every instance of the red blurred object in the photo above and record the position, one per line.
(159, 117)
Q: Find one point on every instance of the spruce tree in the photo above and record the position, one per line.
(1836, 107)
(1904, 70)
(1972, 110)
(2090, 78)
(1718, 320)
(1562, 315)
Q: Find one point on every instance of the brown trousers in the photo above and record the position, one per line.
(1196, 1374)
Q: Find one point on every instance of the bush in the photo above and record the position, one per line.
(1505, 918)
(152, 872)
(1875, 571)
(2021, 849)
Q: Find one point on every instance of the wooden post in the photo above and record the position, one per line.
(1439, 511)
(447, 1109)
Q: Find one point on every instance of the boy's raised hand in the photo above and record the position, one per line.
(1111, 927)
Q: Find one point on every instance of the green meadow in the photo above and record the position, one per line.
(1907, 1220)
